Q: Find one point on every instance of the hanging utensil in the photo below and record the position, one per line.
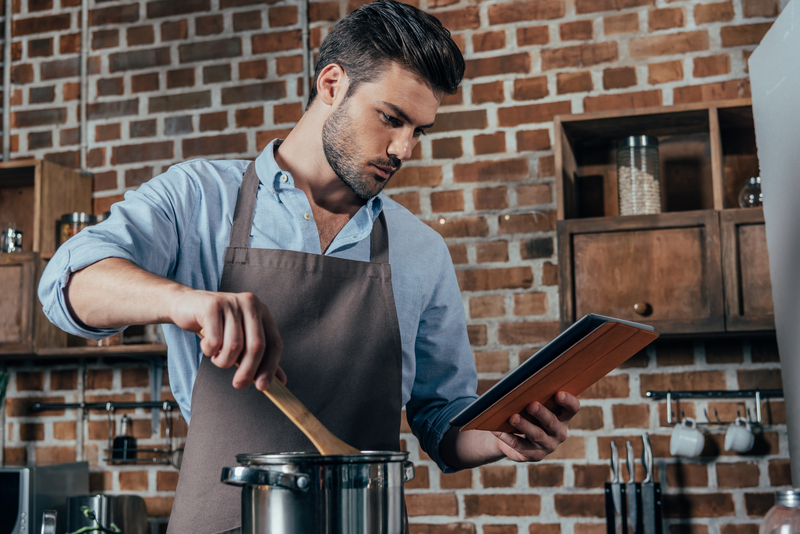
(634, 492)
(651, 492)
(322, 438)
(615, 507)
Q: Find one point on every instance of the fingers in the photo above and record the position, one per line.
(272, 350)
(533, 441)
(253, 342)
(570, 405)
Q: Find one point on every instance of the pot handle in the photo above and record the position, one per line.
(241, 476)
(408, 471)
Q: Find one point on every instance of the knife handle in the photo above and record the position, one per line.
(647, 457)
(629, 460)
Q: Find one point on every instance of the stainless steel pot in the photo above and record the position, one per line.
(309, 493)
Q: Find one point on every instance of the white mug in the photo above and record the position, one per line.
(739, 437)
(686, 439)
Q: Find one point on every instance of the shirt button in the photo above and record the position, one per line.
(284, 178)
(272, 191)
(307, 216)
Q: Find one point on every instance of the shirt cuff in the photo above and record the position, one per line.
(438, 427)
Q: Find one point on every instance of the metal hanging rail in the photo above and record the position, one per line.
(757, 394)
(164, 405)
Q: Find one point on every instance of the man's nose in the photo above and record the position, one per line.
(402, 144)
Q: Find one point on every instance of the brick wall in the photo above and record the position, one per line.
(172, 80)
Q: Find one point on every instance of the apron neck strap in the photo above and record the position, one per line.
(245, 209)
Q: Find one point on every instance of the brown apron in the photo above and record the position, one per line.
(342, 356)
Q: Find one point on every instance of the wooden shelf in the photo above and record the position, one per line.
(97, 352)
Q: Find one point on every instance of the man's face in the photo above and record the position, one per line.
(369, 135)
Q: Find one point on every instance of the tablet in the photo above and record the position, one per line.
(580, 356)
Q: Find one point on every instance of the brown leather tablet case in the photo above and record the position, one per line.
(580, 366)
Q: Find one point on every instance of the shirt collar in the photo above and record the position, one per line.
(271, 175)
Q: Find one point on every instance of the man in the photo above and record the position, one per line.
(297, 259)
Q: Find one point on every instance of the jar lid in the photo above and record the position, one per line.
(789, 498)
(76, 217)
(638, 141)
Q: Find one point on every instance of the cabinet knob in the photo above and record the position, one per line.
(643, 308)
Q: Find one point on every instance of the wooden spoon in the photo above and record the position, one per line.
(322, 438)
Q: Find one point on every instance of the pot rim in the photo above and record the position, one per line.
(283, 458)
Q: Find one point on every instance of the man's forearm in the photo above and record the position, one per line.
(114, 292)
(465, 450)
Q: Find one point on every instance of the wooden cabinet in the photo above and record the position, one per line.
(701, 265)
(16, 302)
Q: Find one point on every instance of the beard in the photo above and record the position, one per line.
(340, 146)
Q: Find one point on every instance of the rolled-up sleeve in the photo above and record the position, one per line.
(146, 229)
(446, 379)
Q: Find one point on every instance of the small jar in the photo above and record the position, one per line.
(750, 196)
(638, 185)
(72, 223)
(784, 517)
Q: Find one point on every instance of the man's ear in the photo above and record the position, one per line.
(332, 84)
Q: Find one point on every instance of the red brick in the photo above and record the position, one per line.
(107, 132)
(500, 170)
(498, 476)
(45, 24)
(631, 415)
(467, 18)
(417, 177)
(584, 55)
(66, 379)
(695, 380)
(110, 86)
(580, 505)
(487, 92)
(460, 227)
(491, 198)
(520, 11)
(180, 78)
(579, 30)
(641, 99)
(40, 47)
(545, 475)
(69, 136)
(502, 505)
(513, 63)
(249, 117)
(145, 82)
(588, 418)
(761, 8)
(325, 11)
(716, 12)
(532, 113)
(739, 528)
(210, 50)
(489, 144)
(449, 147)
(215, 121)
(593, 6)
(746, 34)
(31, 431)
(669, 44)
(711, 65)
(494, 279)
(536, 248)
(460, 480)
(611, 386)
(22, 74)
(492, 251)
(441, 528)
(687, 475)
(174, 30)
(491, 361)
(30, 381)
(737, 475)
(530, 304)
(276, 41)
(591, 476)
(161, 150)
(248, 20)
(549, 274)
(674, 352)
(167, 8)
(55, 455)
(159, 506)
(283, 113)
(711, 92)
(757, 504)
(218, 144)
(574, 82)
(104, 181)
(486, 41)
(69, 43)
(455, 99)
(623, 23)
(686, 505)
(536, 35)
(780, 473)
(547, 166)
(209, 25)
(530, 88)
(668, 71)
(432, 504)
(38, 117)
(166, 480)
(288, 65)
(133, 480)
(619, 78)
(140, 35)
(524, 332)
(458, 251)
(447, 201)
(524, 223)
(533, 140)
(105, 39)
(665, 18)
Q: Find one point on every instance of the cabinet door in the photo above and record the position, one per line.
(745, 270)
(16, 303)
(662, 270)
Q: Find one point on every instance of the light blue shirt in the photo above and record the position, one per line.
(178, 224)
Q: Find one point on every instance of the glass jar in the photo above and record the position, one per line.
(638, 185)
(784, 517)
(72, 223)
(750, 196)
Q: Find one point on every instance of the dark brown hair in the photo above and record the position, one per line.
(369, 39)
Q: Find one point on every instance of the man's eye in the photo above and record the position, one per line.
(391, 120)
(418, 133)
